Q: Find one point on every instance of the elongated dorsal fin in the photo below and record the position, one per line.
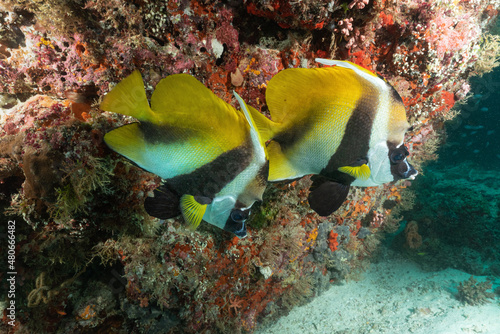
(345, 64)
(258, 142)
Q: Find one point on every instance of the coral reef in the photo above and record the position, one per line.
(473, 292)
(413, 239)
(89, 259)
(489, 57)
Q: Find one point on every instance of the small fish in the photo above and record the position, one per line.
(210, 155)
(86, 94)
(473, 127)
(342, 123)
(81, 100)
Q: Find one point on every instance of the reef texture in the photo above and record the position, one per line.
(89, 259)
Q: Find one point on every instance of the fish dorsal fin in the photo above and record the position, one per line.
(128, 97)
(359, 172)
(298, 94)
(182, 101)
(257, 139)
(280, 168)
(266, 128)
(186, 128)
(192, 210)
(345, 64)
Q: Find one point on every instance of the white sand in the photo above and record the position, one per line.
(394, 296)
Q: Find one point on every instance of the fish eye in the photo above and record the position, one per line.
(239, 215)
(397, 157)
(399, 154)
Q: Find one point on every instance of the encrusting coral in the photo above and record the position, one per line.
(40, 292)
(490, 54)
(413, 239)
(79, 206)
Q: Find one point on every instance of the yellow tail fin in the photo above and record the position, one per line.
(267, 128)
(280, 167)
(129, 98)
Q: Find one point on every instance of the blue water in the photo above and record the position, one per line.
(458, 195)
(474, 136)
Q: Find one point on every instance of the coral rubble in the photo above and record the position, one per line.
(89, 259)
(473, 292)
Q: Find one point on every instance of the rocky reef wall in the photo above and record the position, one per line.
(88, 257)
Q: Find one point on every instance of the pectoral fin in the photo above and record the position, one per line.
(193, 208)
(326, 196)
(359, 172)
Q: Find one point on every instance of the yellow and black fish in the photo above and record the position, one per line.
(343, 123)
(209, 154)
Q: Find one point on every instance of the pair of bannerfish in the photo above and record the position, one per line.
(343, 124)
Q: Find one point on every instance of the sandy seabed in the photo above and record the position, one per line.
(393, 296)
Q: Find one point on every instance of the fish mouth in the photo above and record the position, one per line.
(403, 170)
(236, 226)
(413, 176)
(407, 171)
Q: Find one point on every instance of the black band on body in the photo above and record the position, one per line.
(356, 140)
(209, 179)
